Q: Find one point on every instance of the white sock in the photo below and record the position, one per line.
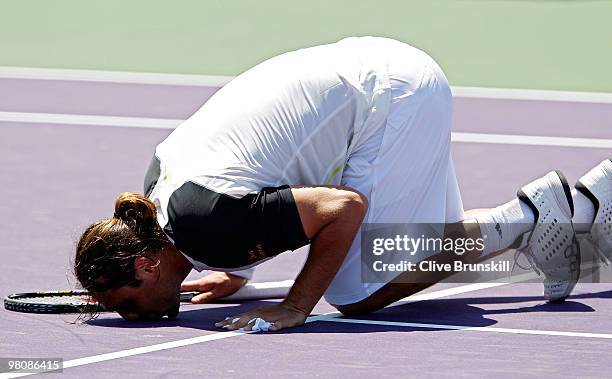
(501, 226)
(584, 212)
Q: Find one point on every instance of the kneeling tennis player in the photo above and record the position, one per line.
(301, 150)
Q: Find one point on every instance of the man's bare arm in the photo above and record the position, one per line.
(331, 217)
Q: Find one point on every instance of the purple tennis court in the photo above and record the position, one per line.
(62, 172)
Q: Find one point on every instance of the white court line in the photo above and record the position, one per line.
(532, 94)
(511, 139)
(167, 123)
(466, 328)
(218, 81)
(72, 119)
(221, 335)
(447, 292)
(138, 351)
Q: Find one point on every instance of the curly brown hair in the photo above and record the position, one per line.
(107, 249)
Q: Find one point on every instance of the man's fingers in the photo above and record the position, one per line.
(190, 285)
(277, 325)
(227, 322)
(222, 323)
(239, 322)
(234, 322)
(268, 318)
(249, 326)
(196, 285)
(203, 297)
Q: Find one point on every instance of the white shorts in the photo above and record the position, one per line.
(405, 169)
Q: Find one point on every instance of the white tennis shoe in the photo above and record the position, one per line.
(597, 186)
(552, 247)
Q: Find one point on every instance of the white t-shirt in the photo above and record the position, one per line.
(293, 119)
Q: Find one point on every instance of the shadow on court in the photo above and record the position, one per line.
(458, 311)
(203, 317)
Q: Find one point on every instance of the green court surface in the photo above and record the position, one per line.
(564, 45)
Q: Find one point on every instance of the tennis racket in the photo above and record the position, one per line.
(82, 302)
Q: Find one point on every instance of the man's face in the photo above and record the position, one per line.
(152, 299)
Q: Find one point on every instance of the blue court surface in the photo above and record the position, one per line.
(62, 167)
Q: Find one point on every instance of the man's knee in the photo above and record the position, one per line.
(388, 294)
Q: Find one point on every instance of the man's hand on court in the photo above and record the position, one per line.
(281, 316)
(213, 286)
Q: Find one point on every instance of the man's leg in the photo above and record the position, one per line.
(410, 283)
(403, 167)
(549, 238)
(406, 171)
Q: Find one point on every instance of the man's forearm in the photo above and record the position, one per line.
(327, 252)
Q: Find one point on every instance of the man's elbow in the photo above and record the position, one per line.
(355, 205)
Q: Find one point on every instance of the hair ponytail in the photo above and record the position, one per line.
(107, 249)
(135, 210)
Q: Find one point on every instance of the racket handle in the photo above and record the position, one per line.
(253, 291)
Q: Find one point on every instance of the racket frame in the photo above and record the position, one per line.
(18, 302)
